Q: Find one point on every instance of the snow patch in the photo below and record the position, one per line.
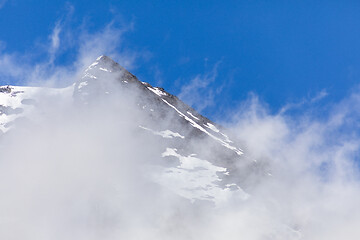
(98, 59)
(192, 115)
(104, 69)
(14, 98)
(89, 75)
(157, 91)
(194, 124)
(92, 66)
(212, 127)
(196, 179)
(226, 138)
(82, 84)
(164, 134)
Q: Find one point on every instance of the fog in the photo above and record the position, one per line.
(85, 172)
(314, 165)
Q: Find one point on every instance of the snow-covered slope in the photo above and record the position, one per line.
(206, 165)
(17, 102)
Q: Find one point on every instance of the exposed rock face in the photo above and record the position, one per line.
(197, 159)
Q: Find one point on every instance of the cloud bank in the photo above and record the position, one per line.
(314, 165)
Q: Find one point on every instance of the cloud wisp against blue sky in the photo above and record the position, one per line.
(283, 51)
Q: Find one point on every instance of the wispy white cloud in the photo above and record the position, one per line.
(55, 41)
(322, 94)
(198, 93)
(108, 41)
(309, 100)
(85, 46)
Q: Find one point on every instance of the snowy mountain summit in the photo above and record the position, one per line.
(193, 157)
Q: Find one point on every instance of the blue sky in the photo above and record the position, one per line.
(292, 54)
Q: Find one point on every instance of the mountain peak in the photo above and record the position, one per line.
(100, 57)
(104, 63)
(195, 157)
(104, 58)
(101, 77)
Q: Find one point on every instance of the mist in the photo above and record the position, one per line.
(313, 161)
(87, 172)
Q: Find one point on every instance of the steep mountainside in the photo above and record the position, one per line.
(196, 157)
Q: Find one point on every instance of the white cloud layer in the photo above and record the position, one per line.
(314, 165)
